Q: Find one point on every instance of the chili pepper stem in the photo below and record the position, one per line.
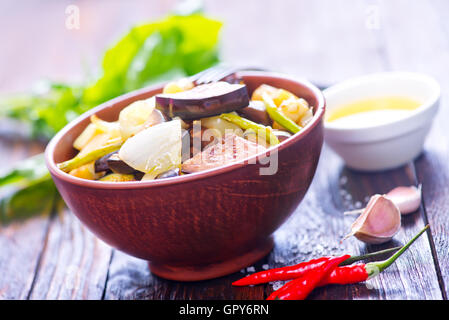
(353, 259)
(374, 268)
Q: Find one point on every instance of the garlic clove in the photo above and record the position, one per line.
(408, 199)
(379, 221)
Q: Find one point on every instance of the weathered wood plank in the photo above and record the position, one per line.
(325, 41)
(74, 264)
(21, 247)
(130, 278)
(427, 45)
(21, 242)
(432, 167)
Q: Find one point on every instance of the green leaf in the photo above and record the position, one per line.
(175, 46)
(158, 51)
(46, 112)
(27, 190)
(26, 201)
(31, 169)
(163, 50)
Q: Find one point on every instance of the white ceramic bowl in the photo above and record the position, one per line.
(392, 144)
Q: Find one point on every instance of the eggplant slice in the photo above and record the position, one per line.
(257, 112)
(204, 100)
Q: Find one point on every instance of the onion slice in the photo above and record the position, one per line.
(154, 150)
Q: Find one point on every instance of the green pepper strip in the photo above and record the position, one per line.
(278, 116)
(78, 160)
(248, 124)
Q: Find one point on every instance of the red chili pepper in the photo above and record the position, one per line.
(300, 288)
(284, 273)
(298, 270)
(347, 274)
(361, 272)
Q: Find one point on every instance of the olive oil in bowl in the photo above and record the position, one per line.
(371, 112)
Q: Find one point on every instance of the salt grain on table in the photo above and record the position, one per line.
(250, 269)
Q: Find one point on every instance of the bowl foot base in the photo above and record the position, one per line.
(214, 270)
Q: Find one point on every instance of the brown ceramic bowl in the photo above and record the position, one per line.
(202, 225)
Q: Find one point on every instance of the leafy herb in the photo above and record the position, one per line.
(28, 189)
(179, 45)
(173, 47)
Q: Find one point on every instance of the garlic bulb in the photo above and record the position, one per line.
(408, 199)
(379, 221)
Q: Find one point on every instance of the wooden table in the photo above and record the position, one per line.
(54, 257)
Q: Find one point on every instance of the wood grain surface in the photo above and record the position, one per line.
(53, 256)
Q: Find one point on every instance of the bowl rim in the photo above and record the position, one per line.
(349, 84)
(56, 172)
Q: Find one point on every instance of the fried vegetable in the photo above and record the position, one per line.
(87, 171)
(294, 109)
(278, 116)
(82, 159)
(306, 118)
(118, 177)
(250, 125)
(138, 175)
(204, 100)
(96, 142)
(112, 128)
(155, 149)
(117, 165)
(278, 95)
(256, 112)
(169, 174)
(155, 117)
(200, 139)
(250, 135)
(180, 85)
(221, 126)
(132, 118)
(86, 136)
(101, 164)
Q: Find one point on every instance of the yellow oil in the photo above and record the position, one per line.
(373, 104)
